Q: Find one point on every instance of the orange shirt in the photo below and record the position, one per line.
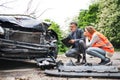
(102, 43)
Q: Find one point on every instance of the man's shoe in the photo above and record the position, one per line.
(77, 61)
(78, 58)
(106, 61)
(83, 62)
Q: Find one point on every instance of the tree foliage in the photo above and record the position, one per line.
(109, 20)
(105, 16)
(88, 17)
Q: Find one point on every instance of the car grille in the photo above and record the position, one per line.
(29, 37)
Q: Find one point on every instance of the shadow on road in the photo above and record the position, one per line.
(10, 64)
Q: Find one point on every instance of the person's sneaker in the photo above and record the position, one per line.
(78, 58)
(103, 62)
(77, 61)
(83, 61)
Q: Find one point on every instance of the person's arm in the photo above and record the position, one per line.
(94, 39)
(82, 37)
(87, 40)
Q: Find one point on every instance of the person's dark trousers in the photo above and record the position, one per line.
(82, 49)
(75, 52)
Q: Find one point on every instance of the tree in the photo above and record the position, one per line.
(109, 20)
(88, 17)
(105, 16)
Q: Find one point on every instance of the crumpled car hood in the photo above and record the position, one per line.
(24, 22)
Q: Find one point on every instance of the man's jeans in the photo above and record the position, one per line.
(75, 52)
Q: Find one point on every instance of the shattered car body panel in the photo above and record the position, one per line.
(26, 38)
(95, 71)
(23, 23)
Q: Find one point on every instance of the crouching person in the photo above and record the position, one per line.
(77, 40)
(98, 46)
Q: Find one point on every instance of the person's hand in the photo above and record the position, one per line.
(86, 34)
(72, 41)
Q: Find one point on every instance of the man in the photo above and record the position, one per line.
(78, 43)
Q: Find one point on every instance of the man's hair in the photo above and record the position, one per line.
(75, 23)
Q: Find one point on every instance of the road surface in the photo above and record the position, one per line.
(17, 70)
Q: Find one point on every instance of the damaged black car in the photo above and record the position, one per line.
(23, 37)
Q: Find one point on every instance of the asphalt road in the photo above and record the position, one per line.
(19, 70)
(12, 64)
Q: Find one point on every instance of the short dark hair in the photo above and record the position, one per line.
(74, 23)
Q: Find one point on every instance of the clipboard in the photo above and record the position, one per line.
(65, 41)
